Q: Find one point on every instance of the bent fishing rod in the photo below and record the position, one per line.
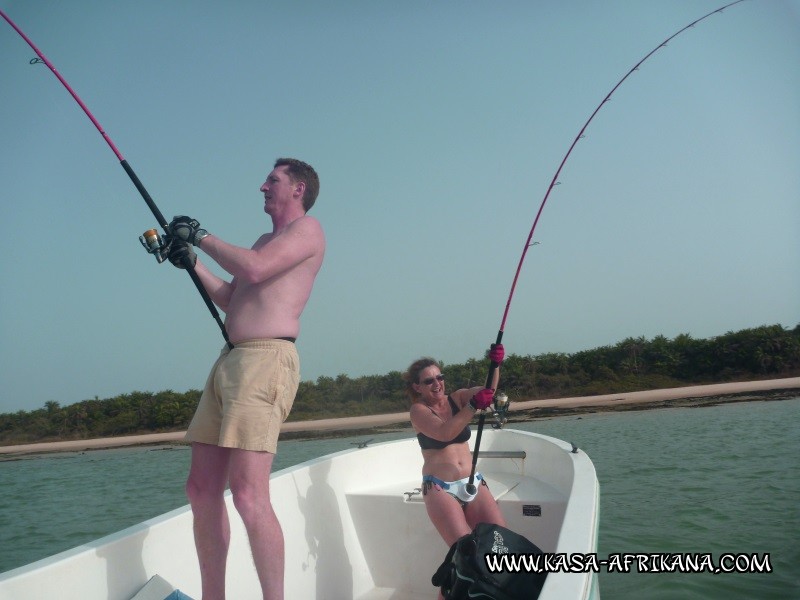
(528, 243)
(151, 240)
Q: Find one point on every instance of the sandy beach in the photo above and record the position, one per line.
(703, 395)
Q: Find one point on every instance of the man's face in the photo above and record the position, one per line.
(278, 189)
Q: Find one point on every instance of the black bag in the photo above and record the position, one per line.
(464, 573)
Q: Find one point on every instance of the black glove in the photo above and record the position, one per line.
(178, 251)
(187, 229)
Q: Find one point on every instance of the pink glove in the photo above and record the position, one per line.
(497, 353)
(483, 399)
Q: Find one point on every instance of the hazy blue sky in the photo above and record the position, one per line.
(436, 128)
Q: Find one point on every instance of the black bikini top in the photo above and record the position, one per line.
(427, 443)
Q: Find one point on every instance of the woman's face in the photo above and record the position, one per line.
(431, 383)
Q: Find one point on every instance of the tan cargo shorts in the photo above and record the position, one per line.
(248, 395)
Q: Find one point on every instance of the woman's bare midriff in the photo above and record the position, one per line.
(448, 464)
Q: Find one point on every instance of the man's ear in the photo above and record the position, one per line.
(300, 188)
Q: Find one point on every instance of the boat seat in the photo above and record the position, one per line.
(505, 487)
(391, 519)
(527, 504)
(500, 484)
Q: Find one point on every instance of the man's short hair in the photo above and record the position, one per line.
(301, 171)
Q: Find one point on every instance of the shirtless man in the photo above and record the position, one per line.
(251, 388)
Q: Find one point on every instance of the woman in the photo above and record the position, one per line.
(442, 425)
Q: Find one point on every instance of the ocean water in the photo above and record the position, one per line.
(716, 480)
(713, 480)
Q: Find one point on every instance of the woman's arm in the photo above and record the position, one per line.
(463, 396)
(429, 423)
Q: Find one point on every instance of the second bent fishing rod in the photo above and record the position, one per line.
(528, 243)
(153, 241)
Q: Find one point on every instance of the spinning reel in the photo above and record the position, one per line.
(156, 245)
(501, 406)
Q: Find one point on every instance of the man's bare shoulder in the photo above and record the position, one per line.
(306, 222)
(307, 227)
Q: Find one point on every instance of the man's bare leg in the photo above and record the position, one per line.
(249, 482)
(208, 478)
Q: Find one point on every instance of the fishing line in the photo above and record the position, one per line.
(133, 177)
(554, 182)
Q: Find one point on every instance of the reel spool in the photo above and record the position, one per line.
(501, 405)
(154, 244)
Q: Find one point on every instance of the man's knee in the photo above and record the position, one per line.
(194, 491)
(245, 499)
(200, 491)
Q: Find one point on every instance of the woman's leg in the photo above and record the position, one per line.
(483, 509)
(445, 513)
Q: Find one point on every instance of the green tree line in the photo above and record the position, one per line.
(765, 352)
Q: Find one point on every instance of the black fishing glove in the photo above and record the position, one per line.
(179, 251)
(187, 229)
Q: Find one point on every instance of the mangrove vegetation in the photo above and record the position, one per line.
(769, 351)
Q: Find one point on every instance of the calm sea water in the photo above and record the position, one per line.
(716, 480)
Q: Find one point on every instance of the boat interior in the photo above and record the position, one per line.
(354, 525)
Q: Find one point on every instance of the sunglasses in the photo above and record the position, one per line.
(430, 380)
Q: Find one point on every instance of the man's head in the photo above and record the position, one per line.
(299, 171)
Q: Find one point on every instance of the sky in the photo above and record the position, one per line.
(436, 128)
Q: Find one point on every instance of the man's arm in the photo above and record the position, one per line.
(301, 240)
(219, 290)
(182, 256)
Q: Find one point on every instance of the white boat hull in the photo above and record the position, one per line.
(355, 527)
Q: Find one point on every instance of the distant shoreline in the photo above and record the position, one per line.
(700, 395)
